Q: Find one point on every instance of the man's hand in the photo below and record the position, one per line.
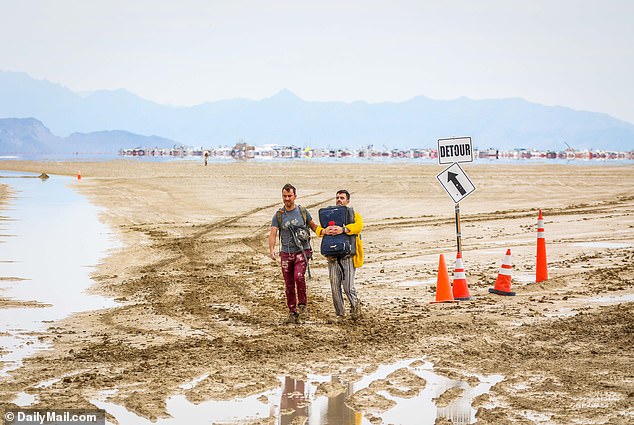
(272, 255)
(333, 230)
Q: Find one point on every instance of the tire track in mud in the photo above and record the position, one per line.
(615, 210)
(251, 239)
(186, 243)
(179, 272)
(510, 214)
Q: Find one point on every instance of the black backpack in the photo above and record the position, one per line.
(342, 245)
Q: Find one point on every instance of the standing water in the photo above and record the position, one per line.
(298, 401)
(50, 240)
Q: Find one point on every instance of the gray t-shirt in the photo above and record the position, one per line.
(293, 217)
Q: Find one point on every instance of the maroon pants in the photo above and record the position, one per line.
(293, 270)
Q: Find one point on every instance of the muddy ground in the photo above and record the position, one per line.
(199, 294)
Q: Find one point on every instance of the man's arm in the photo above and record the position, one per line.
(356, 227)
(272, 237)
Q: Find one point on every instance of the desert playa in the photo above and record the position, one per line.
(198, 295)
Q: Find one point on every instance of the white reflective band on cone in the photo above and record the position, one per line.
(505, 272)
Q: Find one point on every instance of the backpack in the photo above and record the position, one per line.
(300, 234)
(342, 245)
(302, 211)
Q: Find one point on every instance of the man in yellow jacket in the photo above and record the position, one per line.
(341, 270)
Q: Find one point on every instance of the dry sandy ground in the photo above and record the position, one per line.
(199, 294)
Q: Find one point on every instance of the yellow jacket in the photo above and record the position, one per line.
(353, 229)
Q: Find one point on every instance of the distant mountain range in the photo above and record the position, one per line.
(28, 135)
(105, 121)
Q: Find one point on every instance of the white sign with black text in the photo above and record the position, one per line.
(456, 182)
(457, 149)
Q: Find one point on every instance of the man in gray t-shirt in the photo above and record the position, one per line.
(293, 252)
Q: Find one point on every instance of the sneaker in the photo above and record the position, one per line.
(337, 320)
(293, 317)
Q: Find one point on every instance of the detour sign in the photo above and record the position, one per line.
(457, 149)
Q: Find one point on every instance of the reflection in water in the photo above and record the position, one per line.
(297, 401)
(298, 405)
(294, 401)
(460, 411)
(457, 415)
(338, 411)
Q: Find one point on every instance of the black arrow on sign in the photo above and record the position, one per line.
(453, 177)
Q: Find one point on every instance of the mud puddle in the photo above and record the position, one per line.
(52, 239)
(606, 300)
(396, 393)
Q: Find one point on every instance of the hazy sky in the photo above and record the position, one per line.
(574, 53)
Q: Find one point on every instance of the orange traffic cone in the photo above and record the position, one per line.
(541, 271)
(443, 288)
(460, 288)
(78, 175)
(503, 282)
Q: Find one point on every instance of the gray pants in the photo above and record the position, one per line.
(341, 272)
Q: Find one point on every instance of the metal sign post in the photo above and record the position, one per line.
(458, 233)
